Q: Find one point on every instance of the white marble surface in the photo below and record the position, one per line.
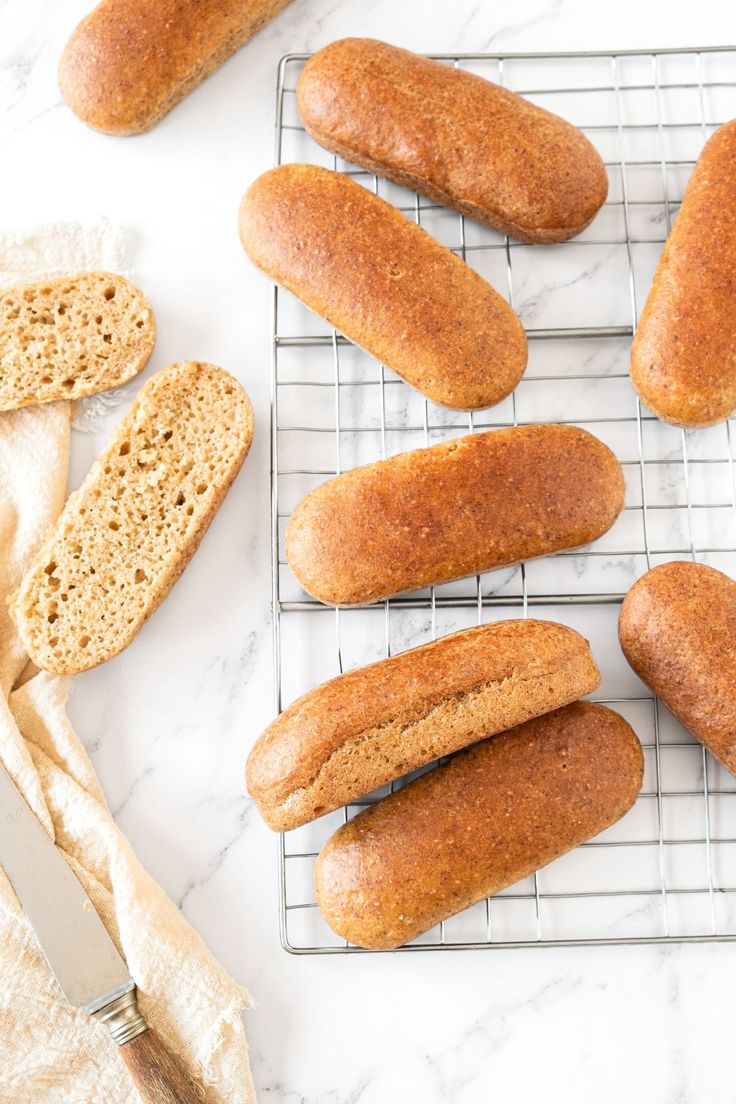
(169, 723)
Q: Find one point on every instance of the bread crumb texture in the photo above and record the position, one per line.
(127, 534)
(71, 336)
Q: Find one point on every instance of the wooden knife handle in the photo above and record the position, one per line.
(156, 1076)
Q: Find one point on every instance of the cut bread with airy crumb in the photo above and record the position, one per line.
(71, 336)
(124, 538)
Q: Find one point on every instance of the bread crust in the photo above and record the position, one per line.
(369, 726)
(683, 357)
(485, 820)
(453, 137)
(130, 61)
(460, 508)
(384, 283)
(124, 538)
(678, 631)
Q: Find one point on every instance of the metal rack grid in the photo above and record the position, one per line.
(667, 871)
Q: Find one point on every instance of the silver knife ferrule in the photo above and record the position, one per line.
(122, 1016)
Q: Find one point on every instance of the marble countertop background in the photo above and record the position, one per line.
(169, 723)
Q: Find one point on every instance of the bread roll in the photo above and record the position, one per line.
(488, 818)
(71, 336)
(453, 137)
(124, 538)
(384, 283)
(678, 632)
(365, 728)
(683, 358)
(130, 61)
(459, 508)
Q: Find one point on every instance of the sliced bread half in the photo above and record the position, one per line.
(124, 538)
(71, 336)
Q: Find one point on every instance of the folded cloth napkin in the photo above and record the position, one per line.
(49, 1052)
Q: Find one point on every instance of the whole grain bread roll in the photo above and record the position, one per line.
(385, 284)
(683, 357)
(453, 137)
(124, 538)
(130, 61)
(71, 336)
(367, 727)
(460, 508)
(488, 818)
(678, 631)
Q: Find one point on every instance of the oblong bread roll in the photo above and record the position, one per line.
(484, 821)
(678, 631)
(454, 137)
(683, 357)
(462, 507)
(365, 728)
(385, 284)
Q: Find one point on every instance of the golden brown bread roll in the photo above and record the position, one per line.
(683, 358)
(678, 632)
(459, 508)
(130, 61)
(384, 283)
(367, 727)
(453, 137)
(488, 818)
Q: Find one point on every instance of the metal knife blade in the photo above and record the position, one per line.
(82, 956)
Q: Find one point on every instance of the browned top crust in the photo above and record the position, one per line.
(358, 731)
(678, 632)
(459, 508)
(454, 137)
(683, 359)
(385, 283)
(482, 822)
(130, 61)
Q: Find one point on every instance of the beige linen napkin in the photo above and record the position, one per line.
(51, 1053)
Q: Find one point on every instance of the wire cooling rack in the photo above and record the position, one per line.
(667, 871)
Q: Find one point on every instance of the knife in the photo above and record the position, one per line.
(90, 971)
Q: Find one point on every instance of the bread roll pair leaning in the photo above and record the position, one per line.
(491, 816)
